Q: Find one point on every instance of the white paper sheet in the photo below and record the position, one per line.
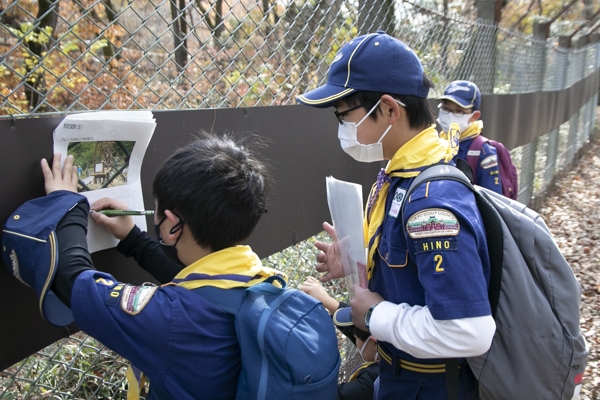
(104, 129)
(346, 208)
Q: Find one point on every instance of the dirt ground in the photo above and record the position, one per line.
(571, 212)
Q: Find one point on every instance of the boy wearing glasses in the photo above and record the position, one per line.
(460, 104)
(428, 269)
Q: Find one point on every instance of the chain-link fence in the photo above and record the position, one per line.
(63, 56)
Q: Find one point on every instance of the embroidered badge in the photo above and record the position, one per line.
(425, 246)
(432, 222)
(135, 298)
(489, 162)
(397, 202)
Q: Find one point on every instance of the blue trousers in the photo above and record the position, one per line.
(410, 385)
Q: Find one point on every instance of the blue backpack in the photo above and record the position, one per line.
(288, 343)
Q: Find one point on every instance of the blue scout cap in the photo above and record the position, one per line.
(375, 62)
(342, 317)
(30, 249)
(464, 93)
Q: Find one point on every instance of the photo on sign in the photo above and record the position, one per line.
(101, 165)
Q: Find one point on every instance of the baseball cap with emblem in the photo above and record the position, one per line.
(375, 62)
(464, 93)
(30, 249)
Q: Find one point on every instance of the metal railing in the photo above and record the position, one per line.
(60, 57)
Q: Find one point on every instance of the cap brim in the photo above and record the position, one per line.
(53, 310)
(324, 96)
(343, 317)
(456, 101)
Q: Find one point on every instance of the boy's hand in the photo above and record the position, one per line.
(329, 258)
(119, 227)
(362, 300)
(55, 179)
(314, 288)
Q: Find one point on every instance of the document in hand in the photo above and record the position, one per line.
(108, 147)
(346, 208)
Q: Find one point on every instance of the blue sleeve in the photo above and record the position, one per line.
(446, 238)
(181, 341)
(96, 303)
(488, 171)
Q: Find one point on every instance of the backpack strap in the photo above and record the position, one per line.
(473, 159)
(230, 300)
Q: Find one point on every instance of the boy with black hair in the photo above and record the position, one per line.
(428, 269)
(209, 197)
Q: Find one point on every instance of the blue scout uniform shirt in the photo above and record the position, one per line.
(442, 259)
(487, 173)
(192, 352)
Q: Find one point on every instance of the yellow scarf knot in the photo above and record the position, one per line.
(423, 150)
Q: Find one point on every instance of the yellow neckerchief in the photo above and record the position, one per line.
(472, 130)
(425, 149)
(229, 268)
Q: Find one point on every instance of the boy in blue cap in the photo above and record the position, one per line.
(490, 162)
(428, 269)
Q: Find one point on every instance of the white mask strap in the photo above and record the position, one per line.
(369, 113)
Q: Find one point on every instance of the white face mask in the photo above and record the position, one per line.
(347, 133)
(445, 119)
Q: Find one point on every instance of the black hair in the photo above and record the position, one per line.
(216, 186)
(418, 111)
(359, 333)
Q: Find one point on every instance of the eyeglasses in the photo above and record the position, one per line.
(340, 115)
(456, 113)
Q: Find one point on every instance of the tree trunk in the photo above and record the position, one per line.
(376, 15)
(179, 44)
(47, 16)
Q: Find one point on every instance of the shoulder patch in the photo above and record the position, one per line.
(489, 162)
(135, 298)
(432, 222)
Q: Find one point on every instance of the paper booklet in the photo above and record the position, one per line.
(346, 208)
(108, 147)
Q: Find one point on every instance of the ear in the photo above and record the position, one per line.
(391, 109)
(475, 117)
(173, 220)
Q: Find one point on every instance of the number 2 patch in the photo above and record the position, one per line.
(439, 266)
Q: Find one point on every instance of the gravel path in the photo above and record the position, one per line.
(572, 214)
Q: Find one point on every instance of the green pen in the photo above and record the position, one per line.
(119, 213)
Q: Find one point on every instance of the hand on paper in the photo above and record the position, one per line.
(329, 258)
(119, 227)
(55, 179)
(362, 300)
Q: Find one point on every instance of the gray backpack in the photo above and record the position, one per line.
(538, 351)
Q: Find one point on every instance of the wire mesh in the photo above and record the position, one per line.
(58, 57)
(73, 55)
